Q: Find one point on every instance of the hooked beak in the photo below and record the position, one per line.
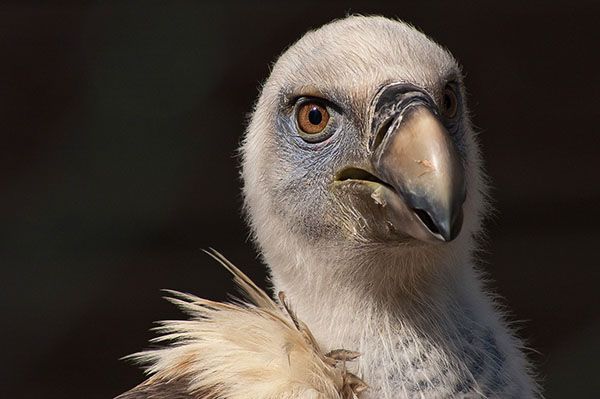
(414, 153)
(418, 171)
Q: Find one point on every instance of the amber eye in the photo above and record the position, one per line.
(449, 102)
(312, 117)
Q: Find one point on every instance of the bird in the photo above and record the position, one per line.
(365, 192)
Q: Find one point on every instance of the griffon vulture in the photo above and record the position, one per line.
(365, 193)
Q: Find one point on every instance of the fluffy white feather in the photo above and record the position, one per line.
(242, 350)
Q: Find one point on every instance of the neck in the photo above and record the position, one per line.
(437, 332)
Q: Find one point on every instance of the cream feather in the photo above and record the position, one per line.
(242, 350)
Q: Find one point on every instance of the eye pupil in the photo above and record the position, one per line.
(314, 116)
(447, 102)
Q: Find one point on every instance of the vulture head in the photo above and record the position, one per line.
(360, 148)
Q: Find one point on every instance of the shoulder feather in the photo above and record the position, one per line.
(241, 350)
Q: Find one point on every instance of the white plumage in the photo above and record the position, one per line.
(364, 189)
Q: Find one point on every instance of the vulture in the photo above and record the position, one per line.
(365, 194)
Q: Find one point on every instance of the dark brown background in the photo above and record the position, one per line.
(119, 125)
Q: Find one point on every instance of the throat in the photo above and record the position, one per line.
(441, 342)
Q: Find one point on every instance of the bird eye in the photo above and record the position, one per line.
(312, 117)
(449, 102)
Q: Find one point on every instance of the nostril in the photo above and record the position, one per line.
(427, 220)
(381, 133)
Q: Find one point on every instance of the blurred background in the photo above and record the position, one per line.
(119, 126)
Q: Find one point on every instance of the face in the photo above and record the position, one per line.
(361, 137)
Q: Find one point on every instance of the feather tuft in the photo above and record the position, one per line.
(255, 349)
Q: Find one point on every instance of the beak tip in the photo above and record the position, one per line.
(448, 236)
(444, 234)
(444, 229)
(451, 230)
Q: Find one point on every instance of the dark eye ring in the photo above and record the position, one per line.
(449, 106)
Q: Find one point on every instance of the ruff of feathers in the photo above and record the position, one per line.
(242, 350)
